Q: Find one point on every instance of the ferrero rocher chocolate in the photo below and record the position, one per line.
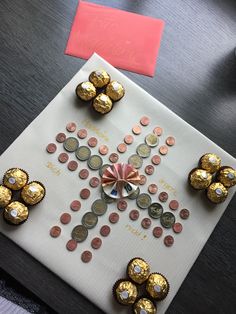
(227, 176)
(115, 90)
(217, 192)
(210, 162)
(15, 213)
(102, 103)
(144, 306)
(15, 179)
(157, 286)
(5, 196)
(125, 292)
(138, 270)
(86, 91)
(200, 179)
(33, 193)
(99, 78)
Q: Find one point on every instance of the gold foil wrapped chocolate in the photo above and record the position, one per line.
(125, 292)
(144, 306)
(138, 270)
(99, 78)
(200, 179)
(15, 213)
(115, 90)
(5, 196)
(86, 91)
(217, 192)
(227, 176)
(157, 286)
(33, 193)
(15, 179)
(210, 162)
(102, 103)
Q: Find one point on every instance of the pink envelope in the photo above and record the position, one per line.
(126, 40)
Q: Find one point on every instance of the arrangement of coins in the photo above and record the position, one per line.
(101, 90)
(16, 194)
(213, 178)
(126, 291)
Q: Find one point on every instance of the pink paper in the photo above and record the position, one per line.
(126, 40)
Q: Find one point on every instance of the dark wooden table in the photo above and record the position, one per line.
(196, 78)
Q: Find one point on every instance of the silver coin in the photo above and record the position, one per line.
(102, 169)
(167, 219)
(136, 161)
(152, 140)
(95, 162)
(155, 210)
(143, 150)
(83, 153)
(99, 207)
(107, 199)
(71, 144)
(143, 201)
(89, 220)
(135, 194)
(79, 233)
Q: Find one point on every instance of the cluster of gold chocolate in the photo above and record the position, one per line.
(126, 291)
(213, 178)
(15, 180)
(101, 90)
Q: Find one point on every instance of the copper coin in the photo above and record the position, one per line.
(94, 182)
(61, 137)
(96, 243)
(114, 218)
(71, 127)
(145, 121)
(163, 197)
(146, 223)
(92, 141)
(158, 131)
(137, 129)
(105, 230)
(170, 141)
(152, 188)
(177, 227)
(84, 194)
(174, 204)
(122, 148)
(157, 232)
(83, 174)
(103, 149)
(82, 133)
(184, 213)
(75, 205)
(63, 157)
(149, 169)
(134, 214)
(65, 218)
(163, 150)
(168, 240)
(72, 165)
(55, 231)
(71, 245)
(128, 139)
(113, 158)
(86, 256)
(156, 160)
(122, 205)
(51, 148)
(143, 179)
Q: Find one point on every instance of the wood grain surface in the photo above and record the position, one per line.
(195, 77)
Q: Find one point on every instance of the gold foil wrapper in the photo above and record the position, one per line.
(217, 192)
(138, 270)
(33, 193)
(16, 213)
(200, 179)
(144, 305)
(5, 196)
(86, 91)
(102, 103)
(227, 176)
(99, 78)
(125, 292)
(15, 178)
(157, 286)
(210, 162)
(115, 90)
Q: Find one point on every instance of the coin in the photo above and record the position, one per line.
(89, 220)
(51, 148)
(167, 219)
(177, 227)
(82, 133)
(155, 210)
(83, 153)
(128, 139)
(61, 137)
(163, 197)
(63, 157)
(174, 204)
(75, 205)
(107, 198)
(152, 188)
(114, 218)
(72, 165)
(122, 205)
(55, 231)
(170, 141)
(71, 245)
(156, 160)
(92, 141)
(94, 182)
(184, 213)
(157, 232)
(134, 214)
(163, 150)
(143, 201)
(79, 233)
(86, 256)
(95, 162)
(105, 230)
(71, 127)
(149, 169)
(137, 129)
(143, 150)
(71, 144)
(158, 131)
(96, 243)
(143, 179)
(113, 157)
(102, 169)
(168, 240)
(135, 194)
(103, 149)
(65, 218)
(136, 161)
(145, 121)
(152, 140)
(84, 194)
(99, 207)
(146, 223)
(122, 148)
(83, 174)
